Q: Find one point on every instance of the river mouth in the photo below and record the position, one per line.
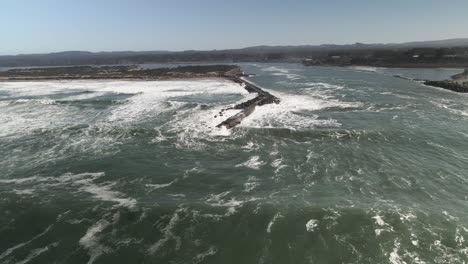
(360, 163)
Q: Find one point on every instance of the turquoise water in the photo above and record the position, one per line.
(352, 167)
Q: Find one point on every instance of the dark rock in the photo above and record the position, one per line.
(449, 85)
(247, 107)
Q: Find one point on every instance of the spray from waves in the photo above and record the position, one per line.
(26, 120)
(295, 112)
(190, 123)
(153, 96)
(144, 101)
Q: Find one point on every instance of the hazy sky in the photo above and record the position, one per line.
(36, 26)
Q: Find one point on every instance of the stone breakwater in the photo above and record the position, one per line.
(458, 83)
(449, 85)
(247, 107)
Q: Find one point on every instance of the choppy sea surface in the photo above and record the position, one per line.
(353, 166)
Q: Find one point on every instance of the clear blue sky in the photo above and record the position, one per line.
(37, 26)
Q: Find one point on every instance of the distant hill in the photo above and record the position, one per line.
(256, 54)
(448, 43)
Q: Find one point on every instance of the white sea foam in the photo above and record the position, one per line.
(379, 220)
(90, 240)
(202, 256)
(407, 217)
(317, 85)
(294, 112)
(251, 146)
(105, 193)
(24, 191)
(450, 109)
(279, 71)
(85, 182)
(311, 225)
(277, 163)
(33, 101)
(290, 76)
(254, 163)
(168, 233)
(189, 125)
(36, 252)
(383, 226)
(275, 69)
(273, 221)
(10, 250)
(366, 68)
(395, 258)
(150, 98)
(232, 203)
(251, 184)
(152, 95)
(153, 187)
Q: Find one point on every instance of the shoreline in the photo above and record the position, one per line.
(118, 79)
(130, 72)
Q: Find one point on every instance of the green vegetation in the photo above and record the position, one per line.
(119, 72)
(414, 57)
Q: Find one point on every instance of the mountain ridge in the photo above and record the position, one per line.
(261, 53)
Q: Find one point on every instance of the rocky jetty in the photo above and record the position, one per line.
(449, 85)
(247, 107)
(458, 83)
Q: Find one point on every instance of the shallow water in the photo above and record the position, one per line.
(352, 167)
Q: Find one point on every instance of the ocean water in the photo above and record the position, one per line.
(351, 167)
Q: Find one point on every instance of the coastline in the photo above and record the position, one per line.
(392, 66)
(117, 79)
(129, 72)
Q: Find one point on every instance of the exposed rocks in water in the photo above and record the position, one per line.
(449, 85)
(237, 118)
(459, 83)
(247, 107)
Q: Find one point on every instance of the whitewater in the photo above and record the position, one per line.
(353, 166)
